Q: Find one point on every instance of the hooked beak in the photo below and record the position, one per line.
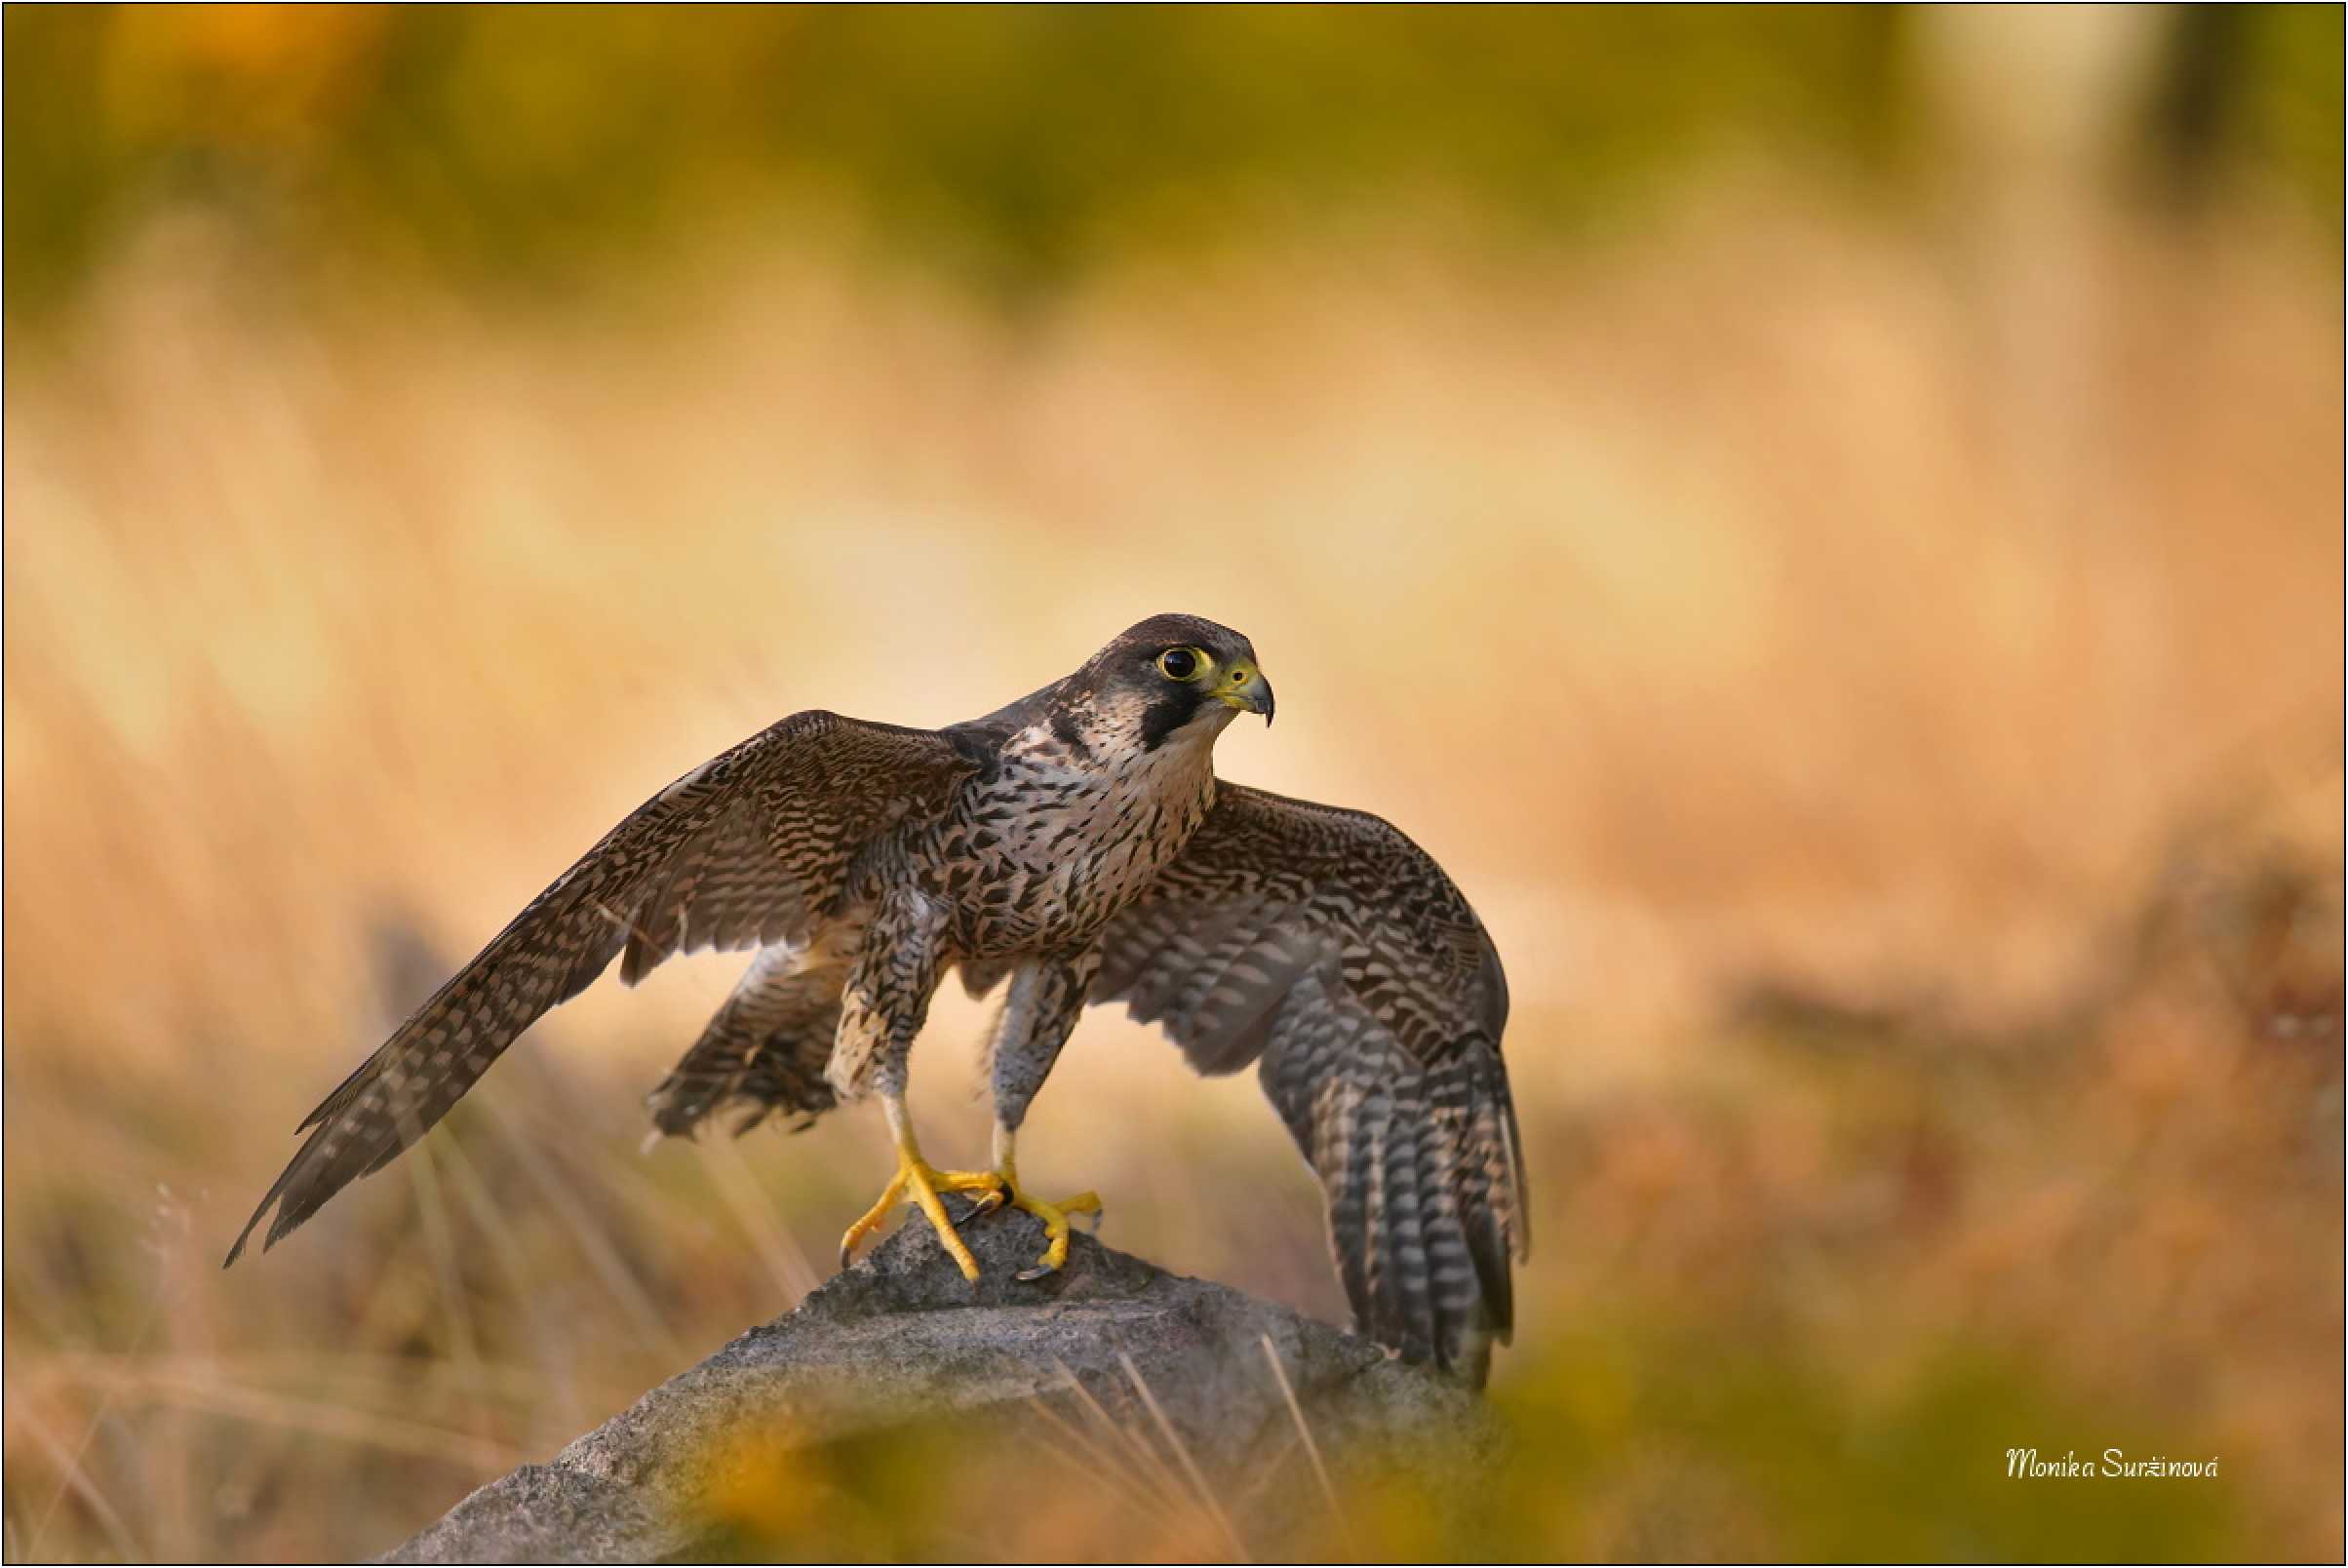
(1245, 689)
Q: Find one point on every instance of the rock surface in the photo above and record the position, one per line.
(1112, 1363)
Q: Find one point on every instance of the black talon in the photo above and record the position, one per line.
(1028, 1277)
(973, 1207)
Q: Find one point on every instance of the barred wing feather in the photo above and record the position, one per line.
(1326, 947)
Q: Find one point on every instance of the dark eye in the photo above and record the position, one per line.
(1178, 663)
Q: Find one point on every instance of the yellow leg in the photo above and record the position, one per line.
(1053, 1215)
(918, 1181)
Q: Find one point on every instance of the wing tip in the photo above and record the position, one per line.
(236, 1249)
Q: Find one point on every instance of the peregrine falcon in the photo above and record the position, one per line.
(1078, 844)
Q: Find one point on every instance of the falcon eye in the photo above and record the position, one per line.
(1180, 663)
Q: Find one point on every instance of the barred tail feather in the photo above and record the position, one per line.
(766, 1048)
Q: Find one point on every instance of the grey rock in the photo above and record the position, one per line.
(1113, 1356)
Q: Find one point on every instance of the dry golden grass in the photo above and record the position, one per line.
(1887, 714)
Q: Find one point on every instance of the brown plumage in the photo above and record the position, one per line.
(1077, 843)
(1327, 947)
(750, 848)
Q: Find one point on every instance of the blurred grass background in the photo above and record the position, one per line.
(1827, 521)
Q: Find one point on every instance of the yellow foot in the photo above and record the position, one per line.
(1055, 1225)
(919, 1182)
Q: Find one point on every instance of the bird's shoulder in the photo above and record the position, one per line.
(984, 739)
(1348, 872)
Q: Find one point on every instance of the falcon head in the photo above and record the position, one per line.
(1175, 676)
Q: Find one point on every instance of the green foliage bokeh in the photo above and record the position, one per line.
(1011, 145)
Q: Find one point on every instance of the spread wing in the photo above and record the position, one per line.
(749, 848)
(1328, 947)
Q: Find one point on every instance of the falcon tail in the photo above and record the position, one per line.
(764, 1050)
